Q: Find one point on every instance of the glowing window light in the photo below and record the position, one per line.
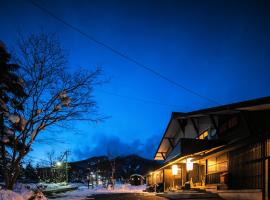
(189, 164)
(174, 170)
(203, 135)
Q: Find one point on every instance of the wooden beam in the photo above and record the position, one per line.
(195, 126)
(171, 141)
(161, 152)
(213, 121)
(169, 138)
(182, 124)
(163, 156)
(245, 121)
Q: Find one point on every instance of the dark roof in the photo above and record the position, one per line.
(250, 105)
(254, 104)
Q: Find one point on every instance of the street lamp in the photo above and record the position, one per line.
(58, 164)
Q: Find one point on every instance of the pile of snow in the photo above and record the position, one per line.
(21, 193)
(10, 195)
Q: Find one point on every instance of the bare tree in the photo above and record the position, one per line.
(54, 96)
(52, 160)
(51, 157)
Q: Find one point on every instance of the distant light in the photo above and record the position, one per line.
(189, 164)
(174, 170)
(58, 163)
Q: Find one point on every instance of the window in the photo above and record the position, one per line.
(203, 135)
(217, 164)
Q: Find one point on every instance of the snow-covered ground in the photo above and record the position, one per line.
(83, 191)
(22, 192)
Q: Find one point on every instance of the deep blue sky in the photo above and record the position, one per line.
(217, 48)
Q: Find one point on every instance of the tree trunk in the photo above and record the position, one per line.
(12, 174)
(13, 177)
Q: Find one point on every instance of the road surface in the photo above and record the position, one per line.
(130, 196)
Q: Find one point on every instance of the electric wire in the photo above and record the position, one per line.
(119, 53)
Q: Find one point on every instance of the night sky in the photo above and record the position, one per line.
(219, 49)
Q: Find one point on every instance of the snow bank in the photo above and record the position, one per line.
(10, 195)
(21, 193)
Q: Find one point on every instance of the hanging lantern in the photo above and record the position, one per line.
(189, 164)
(174, 170)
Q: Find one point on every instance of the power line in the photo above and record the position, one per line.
(93, 39)
(137, 99)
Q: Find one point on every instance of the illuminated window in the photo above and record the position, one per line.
(203, 135)
(217, 164)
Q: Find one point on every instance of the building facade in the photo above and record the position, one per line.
(224, 149)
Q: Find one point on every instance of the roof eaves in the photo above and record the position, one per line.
(174, 115)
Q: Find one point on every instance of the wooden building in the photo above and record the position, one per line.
(223, 149)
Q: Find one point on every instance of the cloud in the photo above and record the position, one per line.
(104, 144)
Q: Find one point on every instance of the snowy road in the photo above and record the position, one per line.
(138, 196)
(115, 196)
(120, 190)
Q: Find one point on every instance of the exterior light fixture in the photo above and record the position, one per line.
(174, 170)
(189, 164)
